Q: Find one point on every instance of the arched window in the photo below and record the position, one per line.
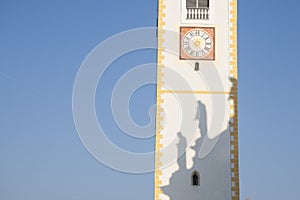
(195, 179)
(196, 66)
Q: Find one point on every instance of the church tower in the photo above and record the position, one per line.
(196, 116)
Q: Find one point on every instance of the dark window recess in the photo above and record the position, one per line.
(196, 66)
(203, 3)
(191, 3)
(195, 179)
(197, 3)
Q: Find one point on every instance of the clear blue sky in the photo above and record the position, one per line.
(42, 45)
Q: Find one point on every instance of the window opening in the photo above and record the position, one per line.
(195, 178)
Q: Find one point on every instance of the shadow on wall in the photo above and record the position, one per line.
(210, 176)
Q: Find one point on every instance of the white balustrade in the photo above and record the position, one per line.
(198, 13)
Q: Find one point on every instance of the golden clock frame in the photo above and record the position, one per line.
(209, 56)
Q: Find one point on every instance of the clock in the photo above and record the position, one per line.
(197, 43)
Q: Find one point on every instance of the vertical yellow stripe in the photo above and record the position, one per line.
(234, 108)
(159, 101)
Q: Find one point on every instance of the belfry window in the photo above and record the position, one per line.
(197, 9)
(195, 179)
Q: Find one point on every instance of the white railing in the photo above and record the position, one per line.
(198, 13)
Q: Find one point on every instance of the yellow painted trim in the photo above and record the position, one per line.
(192, 92)
(159, 101)
(234, 97)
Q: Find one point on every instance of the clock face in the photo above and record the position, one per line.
(197, 43)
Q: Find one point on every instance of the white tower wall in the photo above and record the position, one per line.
(201, 105)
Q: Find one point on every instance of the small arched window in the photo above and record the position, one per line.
(196, 66)
(195, 179)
